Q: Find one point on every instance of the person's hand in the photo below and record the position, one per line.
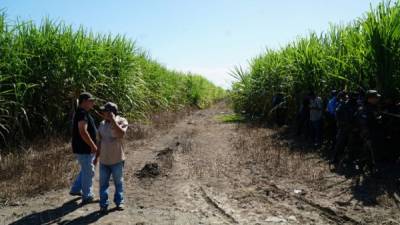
(96, 159)
(93, 149)
(112, 116)
(113, 119)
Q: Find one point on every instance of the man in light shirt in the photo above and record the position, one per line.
(111, 154)
(316, 118)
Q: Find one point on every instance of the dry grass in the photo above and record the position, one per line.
(43, 167)
(261, 150)
(157, 121)
(289, 163)
(50, 165)
(166, 119)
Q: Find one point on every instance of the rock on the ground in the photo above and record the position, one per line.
(149, 170)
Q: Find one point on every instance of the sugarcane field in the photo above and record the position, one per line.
(206, 112)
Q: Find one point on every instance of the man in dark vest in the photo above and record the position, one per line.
(371, 130)
(84, 147)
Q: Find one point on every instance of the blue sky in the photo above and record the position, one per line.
(208, 37)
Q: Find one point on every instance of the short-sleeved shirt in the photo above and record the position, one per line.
(79, 146)
(112, 145)
(332, 104)
(316, 109)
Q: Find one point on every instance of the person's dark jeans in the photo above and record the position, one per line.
(303, 125)
(316, 132)
(342, 138)
(280, 116)
(331, 130)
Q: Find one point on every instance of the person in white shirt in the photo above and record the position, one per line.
(316, 106)
(111, 154)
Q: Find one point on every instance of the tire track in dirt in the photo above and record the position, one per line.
(215, 204)
(328, 212)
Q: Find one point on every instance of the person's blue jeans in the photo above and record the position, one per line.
(84, 180)
(116, 171)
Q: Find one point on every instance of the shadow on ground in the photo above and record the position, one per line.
(366, 188)
(52, 216)
(87, 219)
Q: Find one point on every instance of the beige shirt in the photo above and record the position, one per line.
(111, 146)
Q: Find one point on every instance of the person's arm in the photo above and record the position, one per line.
(329, 106)
(82, 125)
(119, 127)
(96, 159)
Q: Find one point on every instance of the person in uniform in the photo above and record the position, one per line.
(370, 125)
(331, 128)
(345, 115)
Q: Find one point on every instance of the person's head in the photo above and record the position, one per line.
(86, 101)
(109, 108)
(372, 97)
(334, 93)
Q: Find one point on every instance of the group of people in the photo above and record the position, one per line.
(368, 124)
(359, 122)
(101, 144)
(349, 120)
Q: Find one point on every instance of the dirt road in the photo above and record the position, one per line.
(207, 179)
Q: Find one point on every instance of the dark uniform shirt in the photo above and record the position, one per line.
(370, 120)
(345, 113)
(79, 146)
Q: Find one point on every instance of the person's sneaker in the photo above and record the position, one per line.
(103, 210)
(75, 193)
(120, 207)
(87, 200)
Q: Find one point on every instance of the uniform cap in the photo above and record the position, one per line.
(372, 93)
